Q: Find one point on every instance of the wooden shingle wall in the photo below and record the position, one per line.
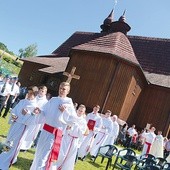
(154, 108)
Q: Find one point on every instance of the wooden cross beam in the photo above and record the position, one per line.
(71, 75)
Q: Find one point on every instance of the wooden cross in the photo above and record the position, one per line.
(71, 75)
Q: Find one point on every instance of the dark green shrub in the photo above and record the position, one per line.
(7, 59)
(17, 63)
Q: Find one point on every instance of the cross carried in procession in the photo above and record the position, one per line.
(71, 75)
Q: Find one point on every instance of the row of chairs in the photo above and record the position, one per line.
(126, 158)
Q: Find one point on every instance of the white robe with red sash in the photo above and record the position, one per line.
(149, 139)
(55, 118)
(69, 145)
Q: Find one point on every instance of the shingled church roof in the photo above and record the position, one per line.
(152, 54)
(114, 43)
(52, 63)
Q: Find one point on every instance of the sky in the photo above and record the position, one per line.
(48, 23)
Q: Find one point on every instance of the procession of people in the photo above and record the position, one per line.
(62, 131)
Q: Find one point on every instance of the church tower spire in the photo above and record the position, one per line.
(120, 25)
(109, 26)
(107, 22)
(122, 18)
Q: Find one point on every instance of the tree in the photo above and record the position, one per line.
(29, 51)
(3, 47)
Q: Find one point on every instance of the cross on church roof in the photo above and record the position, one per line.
(71, 75)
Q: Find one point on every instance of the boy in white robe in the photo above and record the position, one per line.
(23, 114)
(94, 123)
(58, 112)
(70, 142)
(149, 139)
(157, 148)
(32, 130)
(103, 133)
(114, 133)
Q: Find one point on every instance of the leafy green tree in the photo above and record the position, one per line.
(29, 51)
(3, 47)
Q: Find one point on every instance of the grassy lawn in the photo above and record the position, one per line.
(25, 158)
(9, 55)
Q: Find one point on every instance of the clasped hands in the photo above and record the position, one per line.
(62, 108)
(36, 111)
(14, 117)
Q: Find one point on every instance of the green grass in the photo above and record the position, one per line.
(25, 158)
(9, 68)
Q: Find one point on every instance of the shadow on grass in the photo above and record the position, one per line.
(3, 136)
(95, 164)
(31, 151)
(22, 163)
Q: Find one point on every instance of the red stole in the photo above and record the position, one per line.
(56, 145)
(91, 124)
(101, 138)
(148, 148)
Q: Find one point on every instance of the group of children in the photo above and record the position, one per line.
(25, 119)
(66, 132)
(63, 130)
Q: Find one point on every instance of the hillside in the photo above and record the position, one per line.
(8, 63)
(9, 55)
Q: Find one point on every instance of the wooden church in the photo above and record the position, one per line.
(129, 75)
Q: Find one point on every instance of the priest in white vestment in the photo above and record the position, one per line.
(59, 112)
(157, 148)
